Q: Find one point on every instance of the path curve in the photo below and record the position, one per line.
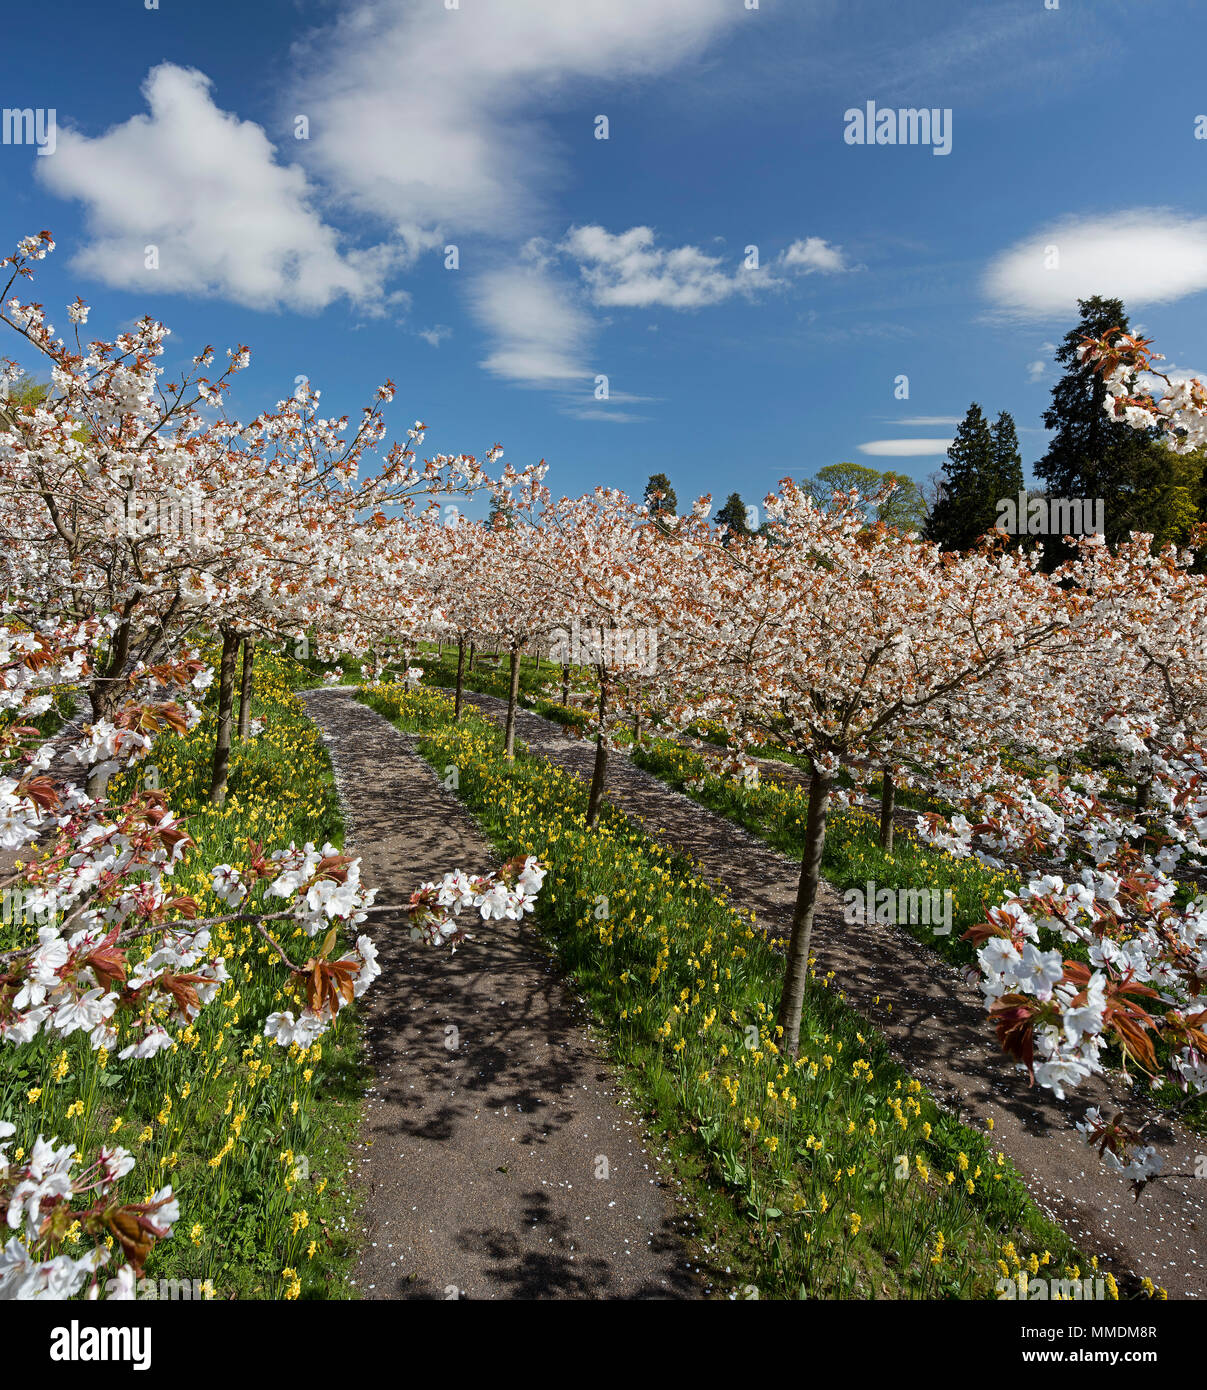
(937, 1028)
(481, 1147)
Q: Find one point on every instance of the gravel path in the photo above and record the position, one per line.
(493, 1114)
(937, 1028)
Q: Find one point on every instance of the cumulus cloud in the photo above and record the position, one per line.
(208, 192)
(905, 448)
(627, 269)
(1142, 256)
(813, 254)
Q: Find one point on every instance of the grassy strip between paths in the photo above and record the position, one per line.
(255, 1140)
(834, 1176)
(776, 811)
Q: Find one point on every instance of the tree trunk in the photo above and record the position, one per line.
(1143, 793)
(600, 771)
(566, 684)
(103, 691)
(888, 800)
(226, 704)
(471, 656)
(513, 692)
(796, 969)
(1144, 789)
(249, 656)
(460, 679)
(440, 650)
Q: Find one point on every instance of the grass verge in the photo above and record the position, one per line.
(834, 1176)
(256, 1140)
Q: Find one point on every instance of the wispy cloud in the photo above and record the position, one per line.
(923, 420)
(904, 448)
(539, 336)
(434, 119)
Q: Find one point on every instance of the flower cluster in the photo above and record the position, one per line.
(506, 894)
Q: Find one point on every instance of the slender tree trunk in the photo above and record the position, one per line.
(796, 969)
(1143, 794)
(471, 656)
(637, 728)
(498, 644)
(249, 656)
(566, 684)
(1144, 788)
(888, 800)
(460, 679)
(440, 650)
(513, 692)
(600, 771)
(226, 704)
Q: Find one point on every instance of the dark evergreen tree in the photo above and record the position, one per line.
(660, 496)
(1007, 460)
(500, 516)
(733, 515)
(967, 507)
(1092, 456)
(661, 500)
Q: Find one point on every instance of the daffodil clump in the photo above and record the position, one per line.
(253, 1138)
(833, 1174)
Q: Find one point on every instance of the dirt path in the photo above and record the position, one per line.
(938, 1029)
(493, 1110)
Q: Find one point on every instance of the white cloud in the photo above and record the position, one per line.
(433, 118)
(813, 254)
(613, 417)
(539, 335)
(905, 448)
(436, 334)
(1036, 369)
(1142, 256)
(929, 420)
(205, 189)
(626, 269)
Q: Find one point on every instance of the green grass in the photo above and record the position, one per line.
(223, 1082)
(826, 1177)
(776, 812)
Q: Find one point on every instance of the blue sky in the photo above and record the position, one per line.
(475, 127)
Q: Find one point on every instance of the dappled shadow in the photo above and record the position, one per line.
(490, 1107)
(934, 1023)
